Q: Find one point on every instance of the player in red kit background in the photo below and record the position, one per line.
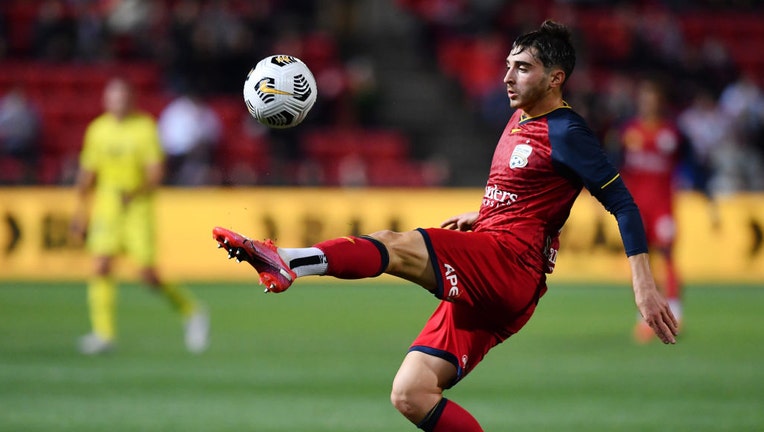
(488, 267)
(651, 150)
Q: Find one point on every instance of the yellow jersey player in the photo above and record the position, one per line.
(121, 166)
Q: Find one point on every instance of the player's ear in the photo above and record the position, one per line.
(556, 77)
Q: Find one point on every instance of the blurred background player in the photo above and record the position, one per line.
(650, 152)
(121, 166)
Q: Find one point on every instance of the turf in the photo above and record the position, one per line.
(321, 358)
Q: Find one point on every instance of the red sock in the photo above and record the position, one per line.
(448, 416)
(354, 257)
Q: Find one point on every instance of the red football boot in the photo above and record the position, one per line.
(275, 274)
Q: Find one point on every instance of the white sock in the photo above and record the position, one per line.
(305, 261)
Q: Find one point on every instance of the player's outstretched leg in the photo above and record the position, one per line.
(275, 274)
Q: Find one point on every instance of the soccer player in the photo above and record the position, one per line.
(487, 267)
(121, 166)
(651, 149)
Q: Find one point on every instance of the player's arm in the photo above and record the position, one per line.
(84, 185)
(650, 303)
(89, 161)
(582, 156)
(154, 175)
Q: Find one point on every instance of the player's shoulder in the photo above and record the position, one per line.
(564, 122)
(100, 120)
(566, 116)
(102, 124)
(142, 117)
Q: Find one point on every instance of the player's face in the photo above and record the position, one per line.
(649, 100)
(527, 81)
(117, 98)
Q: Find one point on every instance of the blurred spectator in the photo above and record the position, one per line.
(91, 32)
(617, 100)
(190, 131)
(743, 101)
(661, 33)
(707, 64)
(3, 35)
(712, 136)
(210, 46)
(55, 32)
(177, 47)
(362, 93)
(19, 132)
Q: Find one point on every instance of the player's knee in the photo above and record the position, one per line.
(102, 266)
(412, 402)
(385, 236)
(402, 249)
(404, 403)
(389, 239)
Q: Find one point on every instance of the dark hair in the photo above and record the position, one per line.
(551, 45)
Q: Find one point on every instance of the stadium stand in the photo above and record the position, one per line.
(714, 43)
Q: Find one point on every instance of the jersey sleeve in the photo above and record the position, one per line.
(577, 152)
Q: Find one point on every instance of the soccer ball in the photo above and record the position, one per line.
(280, 91)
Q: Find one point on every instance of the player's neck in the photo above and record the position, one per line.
(651, 121)
(543, 106)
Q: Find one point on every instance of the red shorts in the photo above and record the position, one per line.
(655, 202)
(488, 293)
(659, 226)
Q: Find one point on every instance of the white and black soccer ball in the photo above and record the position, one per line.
(280, 91)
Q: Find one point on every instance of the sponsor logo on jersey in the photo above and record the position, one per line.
(453, 282)
(495, 197)
(520, 154)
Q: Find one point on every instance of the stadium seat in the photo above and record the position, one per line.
(244, 160)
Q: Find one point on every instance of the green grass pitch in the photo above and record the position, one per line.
(321, 357)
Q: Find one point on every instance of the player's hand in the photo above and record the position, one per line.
(651, 303)
(657, 314)
(462, 222)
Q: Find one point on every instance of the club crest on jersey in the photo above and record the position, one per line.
(519, 158)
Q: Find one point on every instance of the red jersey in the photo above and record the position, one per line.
(491, 279)
(538, 169)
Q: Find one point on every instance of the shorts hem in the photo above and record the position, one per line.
(445, 355)
(435, 265)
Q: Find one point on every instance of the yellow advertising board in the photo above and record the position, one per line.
(716, 243)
